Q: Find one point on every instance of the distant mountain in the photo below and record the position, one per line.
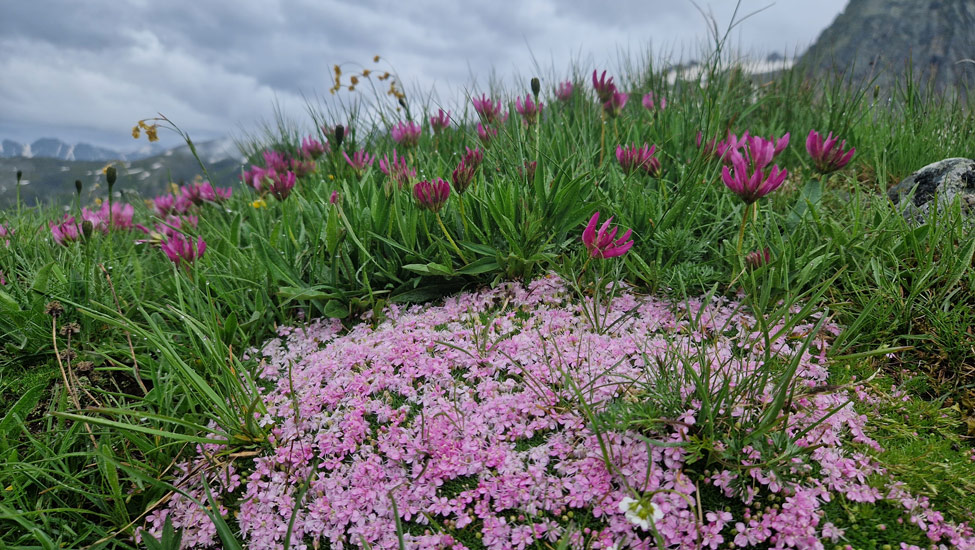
(50, 168)
(53, 148)
(878, 37)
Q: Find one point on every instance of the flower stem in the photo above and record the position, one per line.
(447, 234)
(463, 217)
(744, 222)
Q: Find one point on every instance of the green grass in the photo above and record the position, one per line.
(76, 484)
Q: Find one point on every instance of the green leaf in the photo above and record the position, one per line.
(42, 279)
(307, 293)
(336, 309)
(20, 410)
(430, 269)
(477, 267)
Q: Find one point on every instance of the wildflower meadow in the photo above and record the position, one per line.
(645, 310)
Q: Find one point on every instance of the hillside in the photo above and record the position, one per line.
(878, 38)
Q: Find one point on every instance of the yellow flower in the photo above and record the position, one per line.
(366, 73)
(259, 203)
(106, 167)
(351, 88)
(375, 59)
(331, 176)
(354, 79)
(98, 201)
(151, 133)
(135, 132)
(338, 71)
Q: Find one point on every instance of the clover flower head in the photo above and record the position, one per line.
(432, 195)
(602, 243)
(827, 155)
(406, 133)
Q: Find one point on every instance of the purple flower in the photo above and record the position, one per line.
(359, 160)
(65, 232)
(826, 154)
(648, 102)
(282, 184)
(207, 192)
(441, 121)
(463, 176)
(180, 249)
(528, 109)
(604, 88)
(490, 112)
(397, 170)
(747, 177)
(473, 157)
(635, 158)
(601, 243)
(615, 104)
(334, 197)
(432, 195)
(406, 133)
(564, 91)
(486, 133)
(5, 232)
(758, 258)
(312, 149)
(121, 216)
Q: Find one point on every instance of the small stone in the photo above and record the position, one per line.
(936, 186)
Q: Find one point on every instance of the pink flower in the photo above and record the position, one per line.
(564, 91)
(615, 104)
(207, 192)
(826, 154)
(334, 197)
(432, 195)
(648, 102)
(604, 88)
(406, 133)
(486, 133)
(397, 170)
(473, 157)
(601, 244)
(281, 185)
(758, 258)
(490, 112)
(528, 109)
(179, 249)
(747, 177)
(441, 121)
(65, 232)
(359, 160)
(312, 149)
(5, 232)
(635, 158)
(463, 176)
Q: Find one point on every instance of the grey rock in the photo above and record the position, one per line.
(935, 187)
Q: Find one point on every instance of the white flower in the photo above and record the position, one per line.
(640, 512)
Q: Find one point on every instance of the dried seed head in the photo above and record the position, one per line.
(54, 308)
(84, 367)
(67, 355)
(70, 328)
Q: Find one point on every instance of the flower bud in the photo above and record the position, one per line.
(536, 87)
(77, 186)
(110, 176)
(86, 229)
(339, 135)
(20, 174)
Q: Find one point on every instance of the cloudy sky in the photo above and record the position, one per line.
(87, 71)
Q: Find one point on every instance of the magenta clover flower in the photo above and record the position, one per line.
(441, 121)
(603, 243)
(826, 154)
(486, 133)
(397, 170)
(604, 88)
(747, 177)
(635, 158)
(432, 195)
(65, 232)
(463, 176)
(564, 91)
(528, 109)
(5, 232)
(490, 112)
(407, 133)
(313, 149)
(181, 250)
(359, 160)
(650, 105)
(615, 104)
(121, 216)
